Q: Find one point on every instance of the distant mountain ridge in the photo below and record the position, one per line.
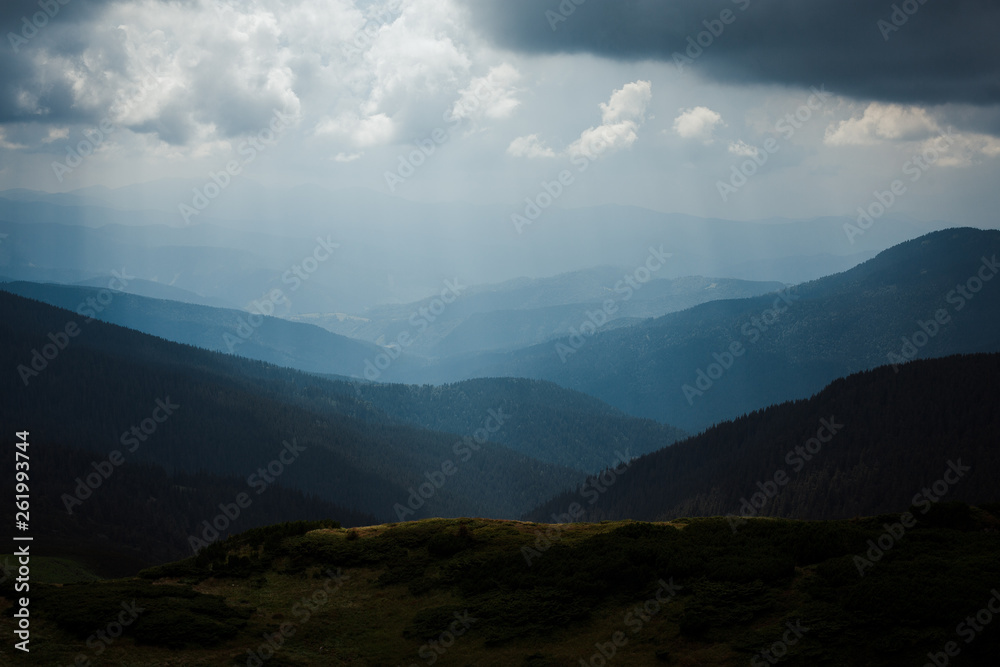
(246, 334)
(154, 290)
(786, 348)
(524, 312)
(378, 234)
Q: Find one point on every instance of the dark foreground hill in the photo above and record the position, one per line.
(864, 445)
(139, 515)
(503, 593)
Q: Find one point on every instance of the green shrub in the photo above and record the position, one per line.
(720, 605)
(446, 545)
(171, 616)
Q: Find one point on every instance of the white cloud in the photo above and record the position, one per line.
(629, 103)
(373, 130)
(530, 147)
(6, 144)
(416, 57)
(960, 149)
(883, 122)
(915, 130)
(56, 134)
(492, 96)
(697, 123)
(622, 116)
(365, 73)
(742, 149)
(359, 132)
(347, 157)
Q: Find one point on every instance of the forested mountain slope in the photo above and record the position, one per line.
(235, 416)
(867, 444)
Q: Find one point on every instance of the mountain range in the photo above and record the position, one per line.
(235, 452)
(506, 447)
(369, 445)
(248, 233)
(933, 296)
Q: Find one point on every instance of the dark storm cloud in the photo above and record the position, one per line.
(25, 28)
(943, 50)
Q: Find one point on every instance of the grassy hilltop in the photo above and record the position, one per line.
(485, 592)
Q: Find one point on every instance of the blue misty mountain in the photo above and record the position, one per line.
(153, 290)
(543, 421)
(526, 311)
(827, 328)
(397, 251)
(271, 339)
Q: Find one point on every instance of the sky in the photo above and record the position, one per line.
(734, 109)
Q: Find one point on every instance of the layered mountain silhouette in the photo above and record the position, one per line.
(722, 359)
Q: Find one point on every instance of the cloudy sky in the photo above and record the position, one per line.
(740, 109)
